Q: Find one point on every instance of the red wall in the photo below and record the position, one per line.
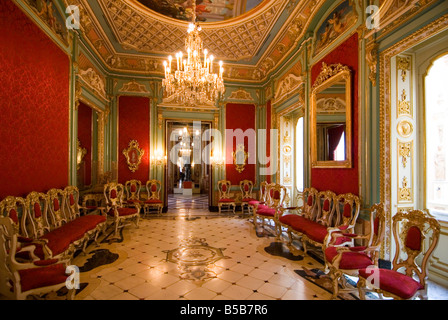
(342, 180)
(34, 107)
(85, 138)
(133, 124)
(240, 116)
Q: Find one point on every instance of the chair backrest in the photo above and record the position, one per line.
(8, 243)
(72, 202)
(309, 206)
(15, 209)
(326, 207)
(246, 187)
(133, 188)
(36, 221)
(263, 191)
(377, 225)
(113, 193)
(276, 194)
(416, 233)
(348, 206)
(57, 207)
(153, 188)
(224, 189)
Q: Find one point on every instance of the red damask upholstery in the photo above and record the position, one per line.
(269, 212)
(394, 282)
(350, 260)
(154, 201)
(42, 277)
(122, 212)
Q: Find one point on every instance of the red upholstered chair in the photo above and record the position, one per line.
(56, 205)
(262, 195)
(416, 235)
(341, 257)
(153, 188)
(317, 231)
(224, 196)
(15, 208)
(116, 212)
(246, 187)
(271, 210)
(91, 224)
(133, 188)
(92, 202)
(22, 279)
(293, 218)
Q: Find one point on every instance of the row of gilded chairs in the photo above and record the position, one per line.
(226, 199)
(349, 254)
(39, 235)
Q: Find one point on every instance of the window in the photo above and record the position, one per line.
(436, 109)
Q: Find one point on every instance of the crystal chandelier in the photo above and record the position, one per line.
(193, 82)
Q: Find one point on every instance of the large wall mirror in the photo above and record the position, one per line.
(331, 110)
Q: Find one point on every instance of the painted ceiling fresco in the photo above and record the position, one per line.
(206, 10)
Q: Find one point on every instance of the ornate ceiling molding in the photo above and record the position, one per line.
(150, 32)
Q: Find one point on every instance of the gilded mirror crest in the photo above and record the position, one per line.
(133, 155)
(240, 158)
(331, 110)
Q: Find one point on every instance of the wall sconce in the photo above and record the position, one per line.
(217, 160)
(158, 158)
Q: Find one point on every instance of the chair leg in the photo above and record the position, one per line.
(334, 276)
(361, 285)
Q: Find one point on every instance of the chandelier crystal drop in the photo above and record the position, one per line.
(194, 82)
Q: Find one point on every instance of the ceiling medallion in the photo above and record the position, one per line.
(193, 82)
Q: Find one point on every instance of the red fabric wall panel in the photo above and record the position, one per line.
(34, 107)
(133, 124)
(85, 138)
(240, 116)
(342, 180)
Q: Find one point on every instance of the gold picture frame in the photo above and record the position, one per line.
(240, 157)
(133, 155)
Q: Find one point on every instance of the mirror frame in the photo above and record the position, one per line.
(327, 77)
(240, 166)
(133, 146)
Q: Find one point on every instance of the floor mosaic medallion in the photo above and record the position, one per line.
(193, 257)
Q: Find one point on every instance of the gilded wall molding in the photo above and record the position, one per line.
(385, 114)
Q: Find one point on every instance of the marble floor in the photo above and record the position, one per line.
(193, 254)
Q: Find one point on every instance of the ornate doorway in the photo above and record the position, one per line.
(188, 180)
